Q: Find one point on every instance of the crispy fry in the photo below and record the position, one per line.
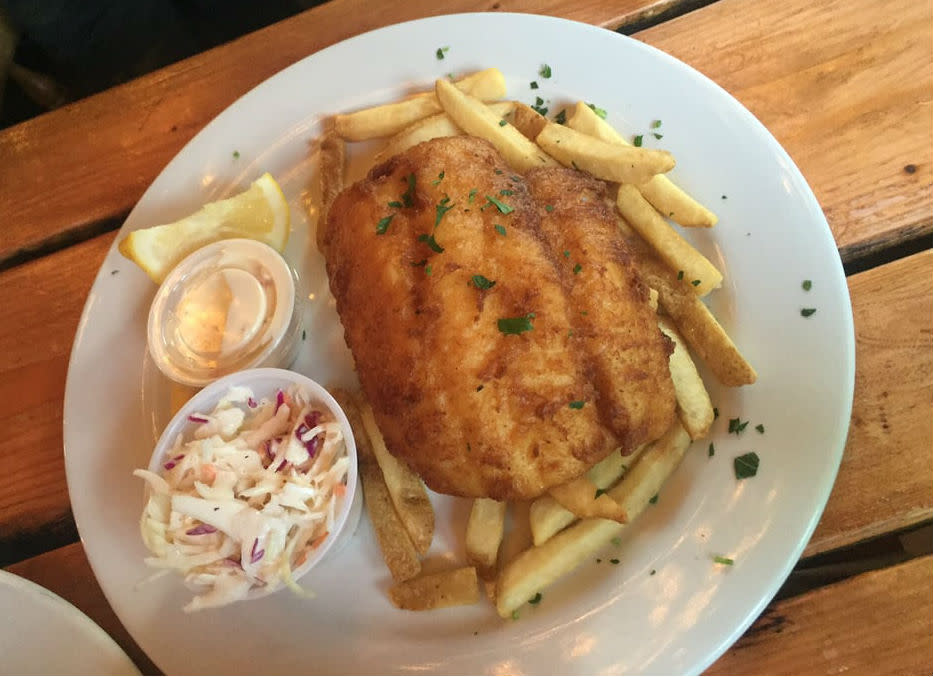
(485, 529)
(660, 191)
(528, 121)
(698, 326)
(585, 499)
(435, 591)
(693, 404)
(674, 250)
(607, 161)
(547, 516)
(397, 549)
(541, 565)
(391, 118)
(405, 487)
(474, 118)
(332, 169)
(432, 127)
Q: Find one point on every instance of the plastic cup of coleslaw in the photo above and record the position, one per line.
(207, 504)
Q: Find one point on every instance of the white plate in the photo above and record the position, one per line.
(606, 618)
(42, 634)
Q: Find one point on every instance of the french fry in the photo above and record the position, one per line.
(474, 118)
(433, 127)
(674, 250)
(455, 587)
(332, 169)
(607, 161)
(405, 487)
(585, 499)
(397, 549)
(528, 121)
(693, 404)
(547, 516)
(391, 118)
(698, 326)
(485, 529)
(668, 198)
(541, 565)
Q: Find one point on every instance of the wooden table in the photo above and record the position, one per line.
(845, 86)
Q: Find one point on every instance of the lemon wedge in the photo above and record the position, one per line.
(258, 213)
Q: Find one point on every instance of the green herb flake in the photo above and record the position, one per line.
(576, 404)
(236, 155)
(440, 177)
(601, 112)
(807, 312)
(472, 195)
(501, 206)
(653, 499)
(502, 123)
(760, 428)
(395, 204)
(715, 413)
(737, 425)
(545, 71)
(638, 140)
(428, 269)
(481, 282)
(746, 465)
(724, 197)
(533, 84)
(515, 325)
(655, 124)
(500, 229)
(409, 194)
(577, 268)
(549, 208)
(599, 492)
(383, 224)
(695, 283)
(617, 540)
(614, 560)
(431, 242)
(653, 572)
(515, 615)
(680, 274)
(561, 118)
(536, 599)
(506, 192)
(657, 136)
(566, 253)
(728, 561)
(516, 178)
(442, 208)
(712, 451)
(807, 285)
(441, 52)
(304, 334)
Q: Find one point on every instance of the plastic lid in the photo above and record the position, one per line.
(226, 307)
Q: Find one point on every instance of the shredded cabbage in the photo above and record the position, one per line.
(244, 501)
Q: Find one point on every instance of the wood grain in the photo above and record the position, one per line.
(846, 627)
(90, 161)
(885, 482)
(845, 86)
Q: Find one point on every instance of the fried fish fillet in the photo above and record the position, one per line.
(467, 342)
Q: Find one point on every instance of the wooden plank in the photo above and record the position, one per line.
(845, 87)
(878, 623)
(90, 161)
(885, 482)
(67, 573)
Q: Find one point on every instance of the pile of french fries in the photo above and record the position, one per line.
(573, 521)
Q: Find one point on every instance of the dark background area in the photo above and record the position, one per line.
(55, 51)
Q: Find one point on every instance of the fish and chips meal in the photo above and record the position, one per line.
(523, 318)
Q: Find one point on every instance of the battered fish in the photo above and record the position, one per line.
(467, 334)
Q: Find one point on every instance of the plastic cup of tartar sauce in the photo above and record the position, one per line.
(227, 307)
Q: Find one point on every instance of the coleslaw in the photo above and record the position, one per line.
(251, 493)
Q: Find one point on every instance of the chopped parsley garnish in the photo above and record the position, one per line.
(680, 274)
(533, 84)
(653, 499)
(502, 123)
(566, 253)
(440, 177)
(746, 465)
(431, 242)
(655, 124)
(614, 560)
(737, 425)
(577, 268)
(442, 208)
(807, 312)
(500, 229)
(236, 155)
(637, 140)
(501, 206)
(653, 572)
(719, 559)
(601, 112)
(441, 53)
(395, 204)
(616, 540)
(515, 177)
(482, 282)
(576, 404)
(539, 107)
(599, 492)
(498, 171)
(506, 192)
(760, 428)
(304, 334)
(549, 208)
(695, 283)
(725, 197)
(807, 285)
(409, 194)
(383, 224)
(515, 615)
(428, 269)
(472, 195)
(715, 413)
(536, 599)
(712, 450)
(545, 71)
(516, 325)
(561, 118)
(657, 136)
